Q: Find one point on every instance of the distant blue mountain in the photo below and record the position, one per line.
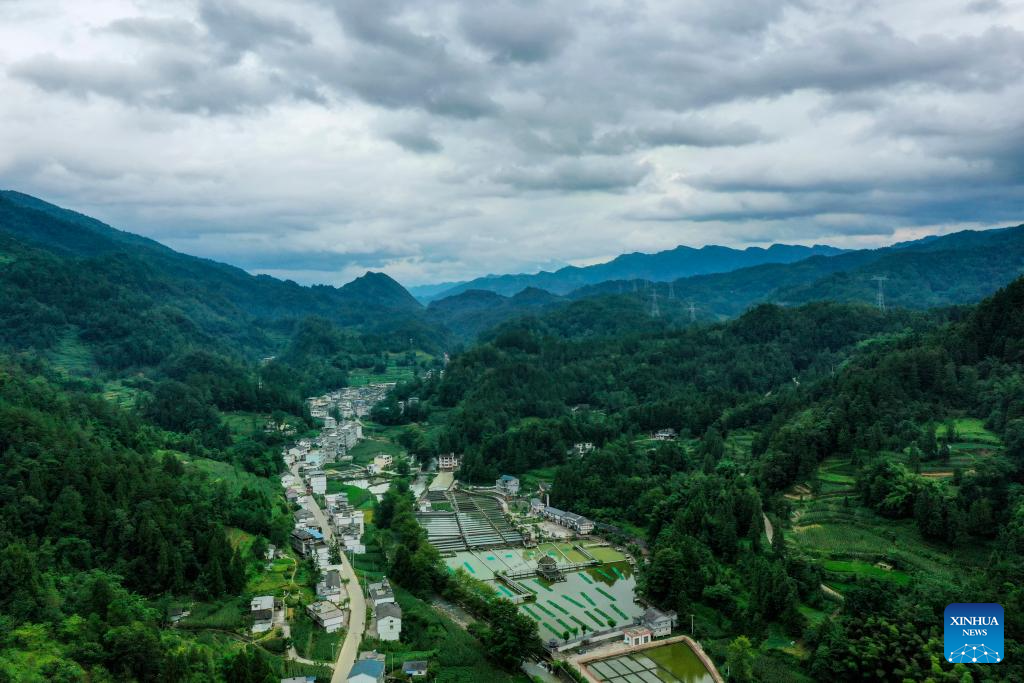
(660, 267)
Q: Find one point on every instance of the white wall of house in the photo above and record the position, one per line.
(389, 628)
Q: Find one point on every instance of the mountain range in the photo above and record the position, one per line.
(62, 272)
(662, 266)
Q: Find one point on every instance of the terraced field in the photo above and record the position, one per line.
(851, 541)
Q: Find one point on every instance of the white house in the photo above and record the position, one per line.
(659, 622)
(638, 635)
(326, 615)
(317, 481)
(581, 449)
(383, 461)
(329, 587)
(570, 520)
(380, 593)
(448, 462)
(389, 621)
(261, 608)
(367, 671)
(507, 485)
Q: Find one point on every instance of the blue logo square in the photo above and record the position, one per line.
(973, 633)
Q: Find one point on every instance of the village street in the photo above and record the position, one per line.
(357, 603)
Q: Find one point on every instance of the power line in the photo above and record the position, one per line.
(880, 297)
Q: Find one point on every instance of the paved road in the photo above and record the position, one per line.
(356, 601)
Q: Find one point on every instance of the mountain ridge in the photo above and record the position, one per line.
(658, 266)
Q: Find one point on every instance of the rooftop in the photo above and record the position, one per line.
(368, 667)
(389, 609)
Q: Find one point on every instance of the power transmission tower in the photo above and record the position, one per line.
(671, 290)
(693, 312)
(880, 297)
(654, 303)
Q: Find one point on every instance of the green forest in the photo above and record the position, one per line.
(827, 452)
(903, 429)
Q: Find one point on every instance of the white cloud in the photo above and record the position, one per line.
(450, 139)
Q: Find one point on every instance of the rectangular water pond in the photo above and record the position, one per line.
(675, 663)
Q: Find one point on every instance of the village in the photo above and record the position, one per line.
(577, 587)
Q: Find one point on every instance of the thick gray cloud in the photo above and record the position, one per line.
(241, 30)
(574, 175)
(417, 141)
(448, 139)
(516, 32)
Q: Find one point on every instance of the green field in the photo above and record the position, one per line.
(72, 357)
(244, 424)
(432, 636)
(365, 451)
(235, 478)
(240, 540)
(849, 540)
(228, 614)
(117, 392)
(311, 641)
(972, 429)
(528, 481)
(866, 570)
(360, 377)
(357, 497)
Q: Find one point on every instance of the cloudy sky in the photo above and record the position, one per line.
(441, 139)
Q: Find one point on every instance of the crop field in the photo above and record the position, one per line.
(240, 540)
(285, 575)
(360, 377)
(235, 478)
(866, 570)
(850, 540)
(365, 451)
(124, 396)
(357, 497)
(311, 641)
(242, 424)
(972, 430)
(530, 479)
(71, 357)
(974, 443)
(226, 614)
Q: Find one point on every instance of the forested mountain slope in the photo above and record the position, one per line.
(901, 431)
(112, 305)
(95, 527)
(473, 311)
(373, 302)
(958, 268)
